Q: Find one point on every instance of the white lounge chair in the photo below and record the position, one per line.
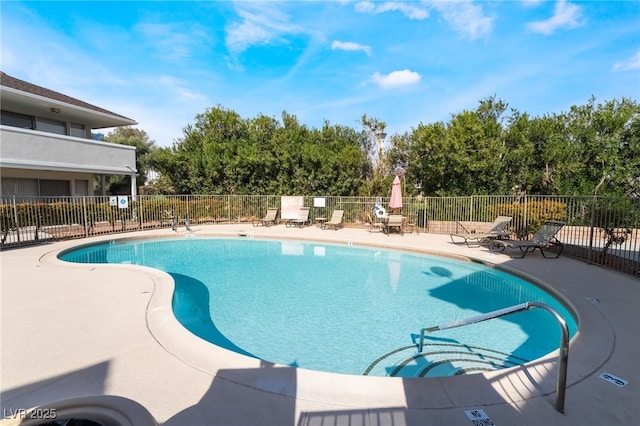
(302, 220)
(269, 219)
(336, 220)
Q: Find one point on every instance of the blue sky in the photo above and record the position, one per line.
(162, 63)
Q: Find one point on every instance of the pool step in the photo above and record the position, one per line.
(440, 359)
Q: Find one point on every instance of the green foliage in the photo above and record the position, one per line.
(528, 218)
(49, 214)
(592, 149)
(146, 152)
(225, 154)
(450, 209)
(487, 152)
(616, 217)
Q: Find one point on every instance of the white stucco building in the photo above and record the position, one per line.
(46, 147)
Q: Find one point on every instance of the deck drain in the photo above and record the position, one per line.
(479, 418)
(613, 379)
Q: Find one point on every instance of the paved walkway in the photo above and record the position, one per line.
(71, 330)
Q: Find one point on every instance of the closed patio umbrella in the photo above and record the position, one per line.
(396, 195)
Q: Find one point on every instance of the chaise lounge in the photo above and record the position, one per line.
(375, 224)
(336, 220)
(543, 239)
(495, 232)
(302, 220)
(269, 219)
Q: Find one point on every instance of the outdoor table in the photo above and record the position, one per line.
(320, 221)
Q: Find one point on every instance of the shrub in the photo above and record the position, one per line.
(528, 217)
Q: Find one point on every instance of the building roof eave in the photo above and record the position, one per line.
(24, 97)
(67, 167)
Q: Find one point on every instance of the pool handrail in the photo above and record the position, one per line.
(561, 383)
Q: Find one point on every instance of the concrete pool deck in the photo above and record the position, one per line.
(71, 330)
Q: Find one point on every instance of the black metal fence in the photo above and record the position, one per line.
(601, 230)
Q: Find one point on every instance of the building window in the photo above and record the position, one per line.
(82, 187)
(21, 187)
(54, 188)
(17, 120)
(77, 130)
(26, 188)
(51, 126)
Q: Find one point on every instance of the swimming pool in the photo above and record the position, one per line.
(343, 308)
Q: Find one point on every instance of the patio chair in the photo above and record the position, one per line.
(302, 220)
(394, 221)
(496, 231)
(336, 220)
(269, 219)
(543, 239)
(375, 224)
(411, 224)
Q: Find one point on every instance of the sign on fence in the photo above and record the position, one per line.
(290, 207)
(123, 202)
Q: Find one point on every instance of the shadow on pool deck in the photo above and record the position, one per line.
(85, 381)
(221, 404)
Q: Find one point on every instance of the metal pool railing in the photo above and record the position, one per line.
(600, 230)
(563, 356)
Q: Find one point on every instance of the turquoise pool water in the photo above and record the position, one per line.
(343, 308)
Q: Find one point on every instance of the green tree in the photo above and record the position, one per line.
(205, 160)
(222, 153)
(428, 159)
(519, 154)
(145, 152)
(343, 164)
(593, 148)
(611, 146)
(465, 156)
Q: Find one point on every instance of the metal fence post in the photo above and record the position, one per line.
(471, 209)
(592, 225)
(86, 219)
(15, 218)
(526, 210)
(140, 211)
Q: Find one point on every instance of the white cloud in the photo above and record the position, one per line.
(465, 18)
(176, 89)
(350, 46)
(565, 15)
(396, 79)
(633, 63)
(172, 41)
(365, 7)
(411, 11)
(261, 24)
(532, 3)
